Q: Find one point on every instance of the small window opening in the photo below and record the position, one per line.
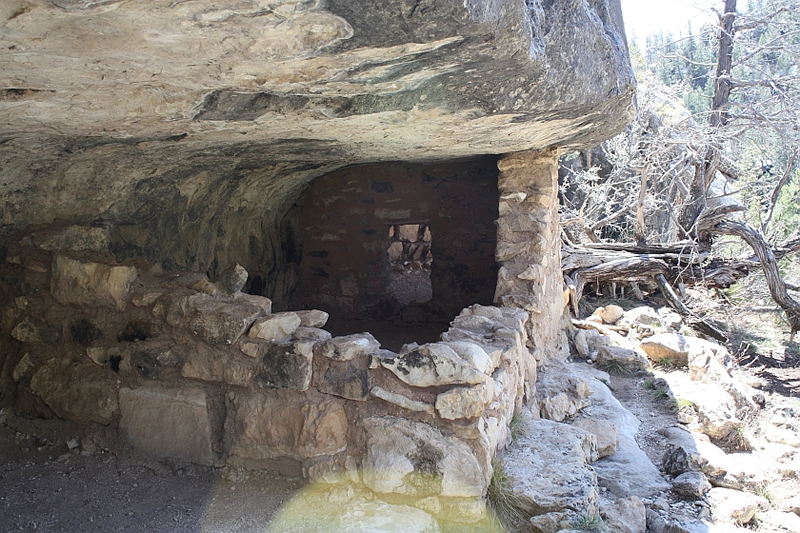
(410, 262)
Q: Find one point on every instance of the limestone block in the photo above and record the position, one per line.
(278, 327)
(232, 279)
(348, 347)
(211, 364)
(432, 365)
(203, 285)
(313, 318)
(560, 393)
(667, 346)
(473, 354)
(346, 379)
(33, 330)
(465, 402)
(547, 468)
(415, 459)
(167, 422)
(272, 424)
(262, 302)
(74, 282)
(218, 321)
(791, 505)
(733, 506)
(150, 359)
(79, 392)
(610, 313)
(401, 400)
(691, 484)
(639, 316)
(627, 515)
(311, 334)
(604, 431)
(75, 238)
(284, 366)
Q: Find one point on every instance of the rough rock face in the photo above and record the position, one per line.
(187, 129)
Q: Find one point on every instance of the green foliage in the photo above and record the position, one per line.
(660, 393)
(515, 427)
(587, 523)
(507, 508)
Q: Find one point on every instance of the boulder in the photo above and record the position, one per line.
(415, 459)
(433, 365)
(610, 313)
(791, 505)
(73, 282)
(473, 354)
(167, 422)
(604, 431)
(560, 393)
(626, 515)
(623, 359)
(401, 401)
(691, 484)
(548, 473)
(728, 505)
(642, 318)
(346, 379)
(671, 348)
(278, 327)
(348, 347)
(79, 392)
(271, 424)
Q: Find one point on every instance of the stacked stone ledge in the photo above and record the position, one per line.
(191, 370)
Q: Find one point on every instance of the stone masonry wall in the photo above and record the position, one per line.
(345, 218)
(193, 370)
(529, 248)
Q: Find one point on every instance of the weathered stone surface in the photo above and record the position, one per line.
(639, 317)
(211, 364)
(262, 302)
(232, 279)
(313, 318)
(77, 283)
(348, 347)
(405, 457)
(74, 238)
(79, 392)
(473, 354)
(624, 357)
(560, 393)
(167, 422)
(401, 401)
(275, 424)
(31, 329)
(604, 431)
(278, 327)
(432, 365)
(216, 321)
(283, 366)
(716, 409)
(691, 484)
(25, 365)
(671, 347)
(465, 402)
(345, 379)
(548, 471)
(730, 505)
(610, 313)
(626, 515)
(628, 472)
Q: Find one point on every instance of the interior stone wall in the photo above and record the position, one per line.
(344, 220)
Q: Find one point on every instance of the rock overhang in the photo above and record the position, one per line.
(113, 111)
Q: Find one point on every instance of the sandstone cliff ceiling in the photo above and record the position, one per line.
(175, 121)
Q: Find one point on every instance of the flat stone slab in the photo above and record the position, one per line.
(167, 423)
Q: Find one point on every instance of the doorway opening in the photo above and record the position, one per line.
(410, 261)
